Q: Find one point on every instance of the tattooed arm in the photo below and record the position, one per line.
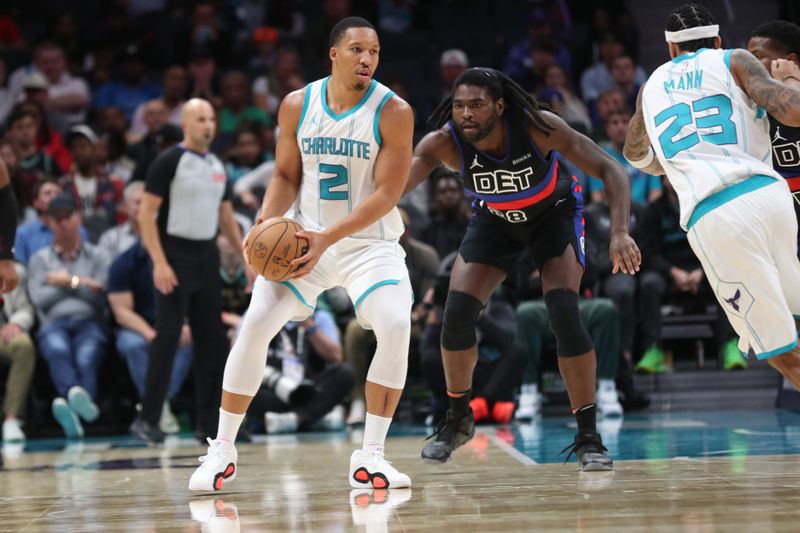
(780, 100)
(637, 143)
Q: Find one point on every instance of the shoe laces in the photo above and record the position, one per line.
(589, 441)
(214, 450)
(447, 427)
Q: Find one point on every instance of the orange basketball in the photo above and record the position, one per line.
(272, 247)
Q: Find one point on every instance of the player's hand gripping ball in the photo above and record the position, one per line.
(272, 247)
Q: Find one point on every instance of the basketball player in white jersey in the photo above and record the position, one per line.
(343, 154)
(702, 119)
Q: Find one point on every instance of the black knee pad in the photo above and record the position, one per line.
(572, 339)
(458, 323)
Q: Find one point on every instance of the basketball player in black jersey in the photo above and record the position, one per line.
(507, 150)
(779, 39)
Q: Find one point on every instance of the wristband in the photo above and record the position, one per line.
(74, 282)
(8, 222)
(646, 160)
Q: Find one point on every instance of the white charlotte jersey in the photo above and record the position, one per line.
(338, 154)
(707, 133)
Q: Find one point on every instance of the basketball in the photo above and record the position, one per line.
(272, 247)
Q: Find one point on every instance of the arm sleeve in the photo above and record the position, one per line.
(162, 172)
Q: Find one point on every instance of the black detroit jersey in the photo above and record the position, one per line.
(517, 188)
(786, 157)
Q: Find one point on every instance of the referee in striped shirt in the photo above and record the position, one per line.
(187, 200)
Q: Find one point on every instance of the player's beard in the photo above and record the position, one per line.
(482, 132)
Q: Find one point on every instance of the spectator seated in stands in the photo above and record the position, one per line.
(644, 187)
(66, 283)
(558, 92)
(501, 360)
(237, 105)
(623, 70)
(16, 347)
(93, 192)
(175, 84)
(305, 379)
(671, 271)
(597, 79)
(449, 215)
(246, 154)
(599, 315)
(360, 344)
(522, 55)
(131, 89)
(35, 235)
(116, 240)
(34, 164)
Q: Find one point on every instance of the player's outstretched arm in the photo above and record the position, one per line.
(288, 174)
(779, 99)
(434, 150)
(595, 161)
(637, 142)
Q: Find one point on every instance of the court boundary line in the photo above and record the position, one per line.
(508, 448)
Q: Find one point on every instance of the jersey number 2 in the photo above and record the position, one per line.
(681, 115)
(339, 178)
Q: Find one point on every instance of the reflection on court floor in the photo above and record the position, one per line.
(725, 470)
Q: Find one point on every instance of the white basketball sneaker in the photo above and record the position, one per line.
(218, 468)
(530, 402)
(607, 400)
(371, 470)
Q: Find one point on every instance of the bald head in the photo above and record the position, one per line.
(199, 124)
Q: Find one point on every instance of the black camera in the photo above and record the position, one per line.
(289, 391)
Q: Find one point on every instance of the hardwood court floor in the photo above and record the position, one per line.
(729, 471)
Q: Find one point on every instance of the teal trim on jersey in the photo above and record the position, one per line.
(323, 97)
(373, 287)
(726, 57)
(684, 57)
(306, 100)
(727, 194)
(796, 317)
(376, 121)
(760, 113)
(779, 351)
(296, 293)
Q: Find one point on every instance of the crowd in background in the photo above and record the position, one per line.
(91, 93)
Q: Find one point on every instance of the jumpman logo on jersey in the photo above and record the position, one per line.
(734, 301)
(314, 120)
(475, 163)
(778, 136)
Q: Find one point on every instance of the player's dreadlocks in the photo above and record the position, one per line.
(784, 35)
(691, 16)
(498, 85)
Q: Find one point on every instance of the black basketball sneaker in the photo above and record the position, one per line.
(455, 430)
(588, 448)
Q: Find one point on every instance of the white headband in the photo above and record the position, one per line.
(691, 34)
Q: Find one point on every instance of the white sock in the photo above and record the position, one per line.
(228, 425)
(375, 429)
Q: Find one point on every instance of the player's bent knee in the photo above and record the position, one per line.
(458, 323)
(572, 339)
